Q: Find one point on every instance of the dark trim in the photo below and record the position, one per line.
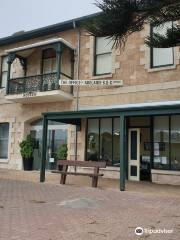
(99, 139)
(112, 142)
(132, 111)
(122, 152)
(152, 142)
(94, 56)
(44, 147)
(86, 139)
(169, 142)
(48, 30)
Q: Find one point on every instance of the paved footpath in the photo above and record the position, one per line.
(33, 211)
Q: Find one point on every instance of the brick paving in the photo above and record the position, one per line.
(33, 211)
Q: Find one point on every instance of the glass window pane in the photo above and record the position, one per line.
(103, 64)
(4, 136)
(53, 64)
(161, 142)
(106, 140)
(103, 45)
(4, 64)
(116, 142)
(4, 80)
(139, 121)
(162, 56)
(134, 145)
(47, 65)
(175, 143)
(93, 140)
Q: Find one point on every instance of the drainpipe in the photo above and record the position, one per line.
(77, 87)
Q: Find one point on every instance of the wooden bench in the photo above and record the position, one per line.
(90, 164)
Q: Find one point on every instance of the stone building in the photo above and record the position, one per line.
(134, 127)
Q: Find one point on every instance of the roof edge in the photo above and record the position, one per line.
(39, 32)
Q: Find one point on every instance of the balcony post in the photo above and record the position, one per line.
(11, 58)
(58, 61)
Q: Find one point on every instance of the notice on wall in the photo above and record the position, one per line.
(164, 160)
(156, 146)
(157, 160)
(51, 160)
(156, 152)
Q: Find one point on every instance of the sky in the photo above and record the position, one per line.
(18, 15)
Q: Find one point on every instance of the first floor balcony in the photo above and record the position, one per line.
(38, 88)
(51, 60)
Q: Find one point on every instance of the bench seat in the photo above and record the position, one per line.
(90, 164)
(78, 173)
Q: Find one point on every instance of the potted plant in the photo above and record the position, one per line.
(27, 149)
(61, 153)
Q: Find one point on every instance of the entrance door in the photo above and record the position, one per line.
(134, 154)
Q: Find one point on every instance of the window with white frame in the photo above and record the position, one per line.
(161, 57)
(103, 56)
(4, 138)
(4, 71)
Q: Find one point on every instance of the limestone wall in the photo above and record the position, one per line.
(140, 84)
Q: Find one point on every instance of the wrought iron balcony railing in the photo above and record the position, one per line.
(37, 83)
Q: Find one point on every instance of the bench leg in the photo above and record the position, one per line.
(94, 182)
(63, 179)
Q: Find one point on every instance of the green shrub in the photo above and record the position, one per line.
(27, 147)
(61, 153)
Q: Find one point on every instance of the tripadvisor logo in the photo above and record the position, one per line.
(139, 231)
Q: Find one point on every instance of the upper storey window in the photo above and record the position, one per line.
(161, 57)
(4, 71)
(103, 56)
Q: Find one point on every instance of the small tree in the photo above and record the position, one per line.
(27, 147)
(120, 18)
(62, 152)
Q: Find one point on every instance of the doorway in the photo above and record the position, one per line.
(139, 154)
(56, 137)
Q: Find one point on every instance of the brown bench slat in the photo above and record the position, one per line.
(78, 173)
(81, 163)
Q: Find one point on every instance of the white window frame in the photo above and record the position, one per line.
(152, 66)
(100, 54)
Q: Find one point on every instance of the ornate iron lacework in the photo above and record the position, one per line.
(38, 83)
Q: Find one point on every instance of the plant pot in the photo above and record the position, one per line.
(28, 164)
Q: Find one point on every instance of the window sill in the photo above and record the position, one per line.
(3, 160)
(158, 69)
(165, 172)
(102, 76)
